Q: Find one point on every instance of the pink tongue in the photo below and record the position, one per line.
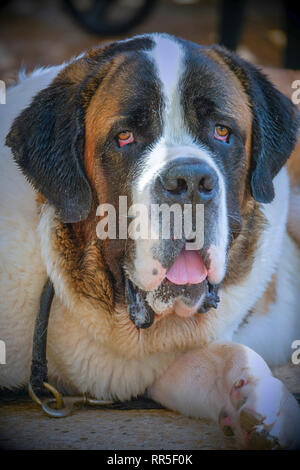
(187, 269)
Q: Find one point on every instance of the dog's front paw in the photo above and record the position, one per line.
(262, 414)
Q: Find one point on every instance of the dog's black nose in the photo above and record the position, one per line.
(188, 180)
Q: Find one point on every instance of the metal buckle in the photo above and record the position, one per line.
(59, 407)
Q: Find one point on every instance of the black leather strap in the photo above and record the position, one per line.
(39, 371)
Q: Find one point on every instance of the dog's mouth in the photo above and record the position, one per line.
(188, 268)
(185, 290)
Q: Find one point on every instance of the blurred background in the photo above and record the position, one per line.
(45, 32)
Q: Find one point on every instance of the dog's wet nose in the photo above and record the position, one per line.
(188, 180)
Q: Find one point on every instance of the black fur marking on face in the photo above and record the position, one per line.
(47, 141)
(140, 313)
(211, 299)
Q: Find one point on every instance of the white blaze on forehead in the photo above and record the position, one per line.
(167, 55)
(168, 59)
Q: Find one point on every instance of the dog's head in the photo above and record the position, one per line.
(166, 123)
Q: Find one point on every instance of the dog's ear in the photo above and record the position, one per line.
(275, 125)
(47, 141)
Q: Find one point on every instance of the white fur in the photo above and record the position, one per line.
(201, 383)
(276, 251)
(272, 334)
(23, 273)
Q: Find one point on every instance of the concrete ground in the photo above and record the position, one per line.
(24, 426)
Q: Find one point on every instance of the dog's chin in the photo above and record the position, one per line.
(182, 300)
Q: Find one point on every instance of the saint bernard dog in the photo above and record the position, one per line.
(159, 120)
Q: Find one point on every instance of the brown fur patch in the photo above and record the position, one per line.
(40, 200)
(100, 115)
(83, 264)
(238, 103)
(244, 248)
(262, 306)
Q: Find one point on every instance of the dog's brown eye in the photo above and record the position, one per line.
(125, 137)
(221, 133)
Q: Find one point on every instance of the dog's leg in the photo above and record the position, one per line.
(232, 384)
